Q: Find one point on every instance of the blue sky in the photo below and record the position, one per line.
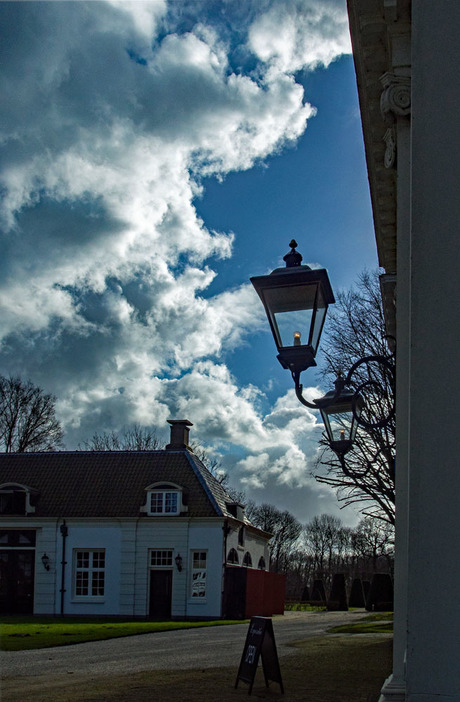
(155, 156)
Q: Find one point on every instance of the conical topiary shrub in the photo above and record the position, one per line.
(305, 594)
(366, 588)
(338, 598)
(357, 598)
(380, 597)
(318, 593)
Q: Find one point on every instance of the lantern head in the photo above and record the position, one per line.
(295, 299)
(340, 410)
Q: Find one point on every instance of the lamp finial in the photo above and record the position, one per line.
(293, 258)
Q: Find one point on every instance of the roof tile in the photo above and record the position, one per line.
(111, 483)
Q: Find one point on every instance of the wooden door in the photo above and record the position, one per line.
(17, 581)
(160, 594)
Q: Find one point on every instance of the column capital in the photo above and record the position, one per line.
(395, 100)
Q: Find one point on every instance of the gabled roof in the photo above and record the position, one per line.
(111, 483)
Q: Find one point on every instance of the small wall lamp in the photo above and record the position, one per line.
(178, 561)
(46, 561)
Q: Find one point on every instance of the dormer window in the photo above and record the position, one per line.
(236, 510)
(165, 499)
(15, 499)
(164, 502)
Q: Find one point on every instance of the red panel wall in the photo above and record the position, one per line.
(264, 593)
(275, 584)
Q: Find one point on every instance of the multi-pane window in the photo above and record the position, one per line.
(160, 558)
(164, 502)
(15, 538)
(12, 501)
(232, 556)
(89, 573)
(199, 574)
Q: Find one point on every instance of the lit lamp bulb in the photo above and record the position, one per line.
(342, 435)
(297, 336)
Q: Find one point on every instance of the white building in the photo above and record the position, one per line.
(407, 56)
(125, 533)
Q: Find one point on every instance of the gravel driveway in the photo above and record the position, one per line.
(210, 647)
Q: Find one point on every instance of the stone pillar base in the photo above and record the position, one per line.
(393, 691)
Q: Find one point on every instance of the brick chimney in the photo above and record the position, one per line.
(179, 434)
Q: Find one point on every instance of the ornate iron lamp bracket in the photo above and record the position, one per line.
(387, 362)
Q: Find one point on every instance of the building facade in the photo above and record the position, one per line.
(124, 533)
(406, 57)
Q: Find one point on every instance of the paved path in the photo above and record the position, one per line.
(210, 647)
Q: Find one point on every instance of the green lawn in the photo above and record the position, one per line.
(21, 633)
(376, 623)
(302, 607)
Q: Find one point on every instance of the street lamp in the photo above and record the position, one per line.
(340, 412)
(296, 299)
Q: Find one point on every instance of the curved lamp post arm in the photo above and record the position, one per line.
(382, 360)
(388, 363)
(299, 391)
(341, 383)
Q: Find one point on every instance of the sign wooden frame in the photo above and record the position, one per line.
(260, 641)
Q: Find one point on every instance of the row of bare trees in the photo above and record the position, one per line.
(324, 547)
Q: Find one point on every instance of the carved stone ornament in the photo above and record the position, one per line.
(390, 150)
(395, 100)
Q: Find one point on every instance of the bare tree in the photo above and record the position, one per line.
(356, 328)
(212, 463)
(373, 539)
(284, 527)
(135, 438)
(326, 540)
(27, 417)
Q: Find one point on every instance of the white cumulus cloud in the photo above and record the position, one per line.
(113, 113)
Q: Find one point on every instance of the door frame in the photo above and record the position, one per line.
(15, 603)
(167, 574)
(160, 560)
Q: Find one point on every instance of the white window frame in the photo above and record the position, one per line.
(164, 556)
(165, 496)
(160, 492)
(92, 569)
(198, 575)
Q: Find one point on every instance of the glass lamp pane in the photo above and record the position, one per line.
(291, 311)
(340, 426)
(294, 327)
(319, 320)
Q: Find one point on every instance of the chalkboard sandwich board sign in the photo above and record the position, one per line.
(260, 641)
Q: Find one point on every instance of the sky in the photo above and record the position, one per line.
(154, 156)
